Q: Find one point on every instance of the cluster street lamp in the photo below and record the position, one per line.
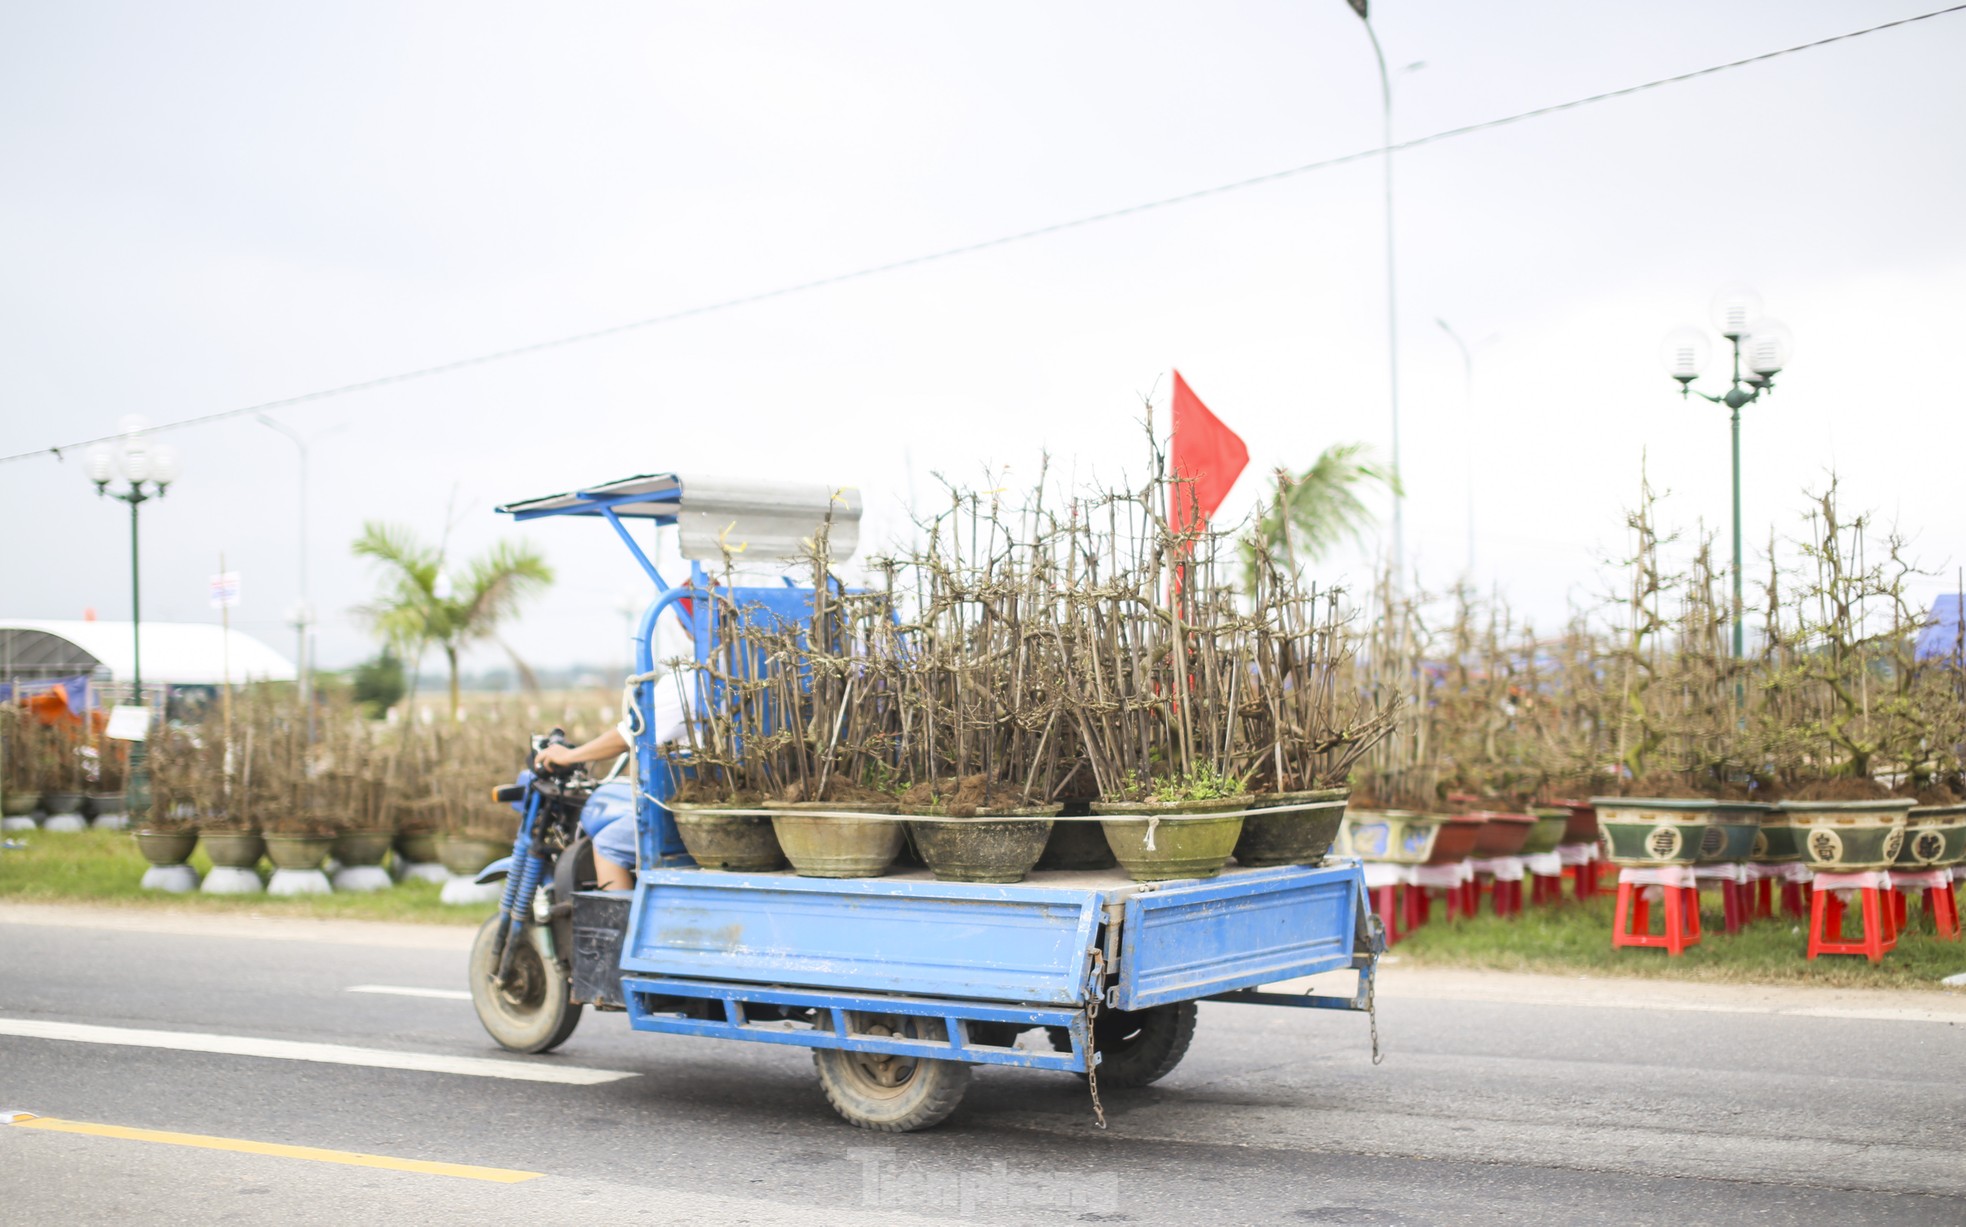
(147, 471)
(1761, 350)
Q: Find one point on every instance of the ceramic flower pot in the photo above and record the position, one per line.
(993, 846)
(1396, 836)
(1551, 822)
(234, 849)
(417, 847)
(298, 851)
(1298, 832)
(1456, 840)
(466, 855)
(1187, 843)
(1077, 845)
(166, 848)
(20, 804)
(359, 849)
(1502, 834)
(1732, 828)
(821, 845)
(106, 804)
(56, 804)
(1935, 837)
(1582, 827)
(1651, 831)
(1774, 838)
(731, 843)
(1849, 836)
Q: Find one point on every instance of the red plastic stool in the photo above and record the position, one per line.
(1733, 892)
(1826, 911)
(1386, 888)
(1941, 905)
(1632, 925)
(1422, 881)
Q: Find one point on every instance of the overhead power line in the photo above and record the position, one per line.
(966, 249)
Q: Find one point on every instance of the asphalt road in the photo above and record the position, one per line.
(1519, 1111)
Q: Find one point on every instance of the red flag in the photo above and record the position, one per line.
(1207, 454)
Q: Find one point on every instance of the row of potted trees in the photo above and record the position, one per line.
(59, 768)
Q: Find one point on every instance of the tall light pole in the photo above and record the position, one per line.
(1764, 344)
(301, 614)
(147, 472)
(1361, 7)
(1467, 399)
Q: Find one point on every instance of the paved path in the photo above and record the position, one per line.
(1503, 1098)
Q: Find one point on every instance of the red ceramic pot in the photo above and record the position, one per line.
(1501, 834)
(1582, 827)
(1456, 839)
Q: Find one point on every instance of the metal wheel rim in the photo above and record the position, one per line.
(882, 1074)
(524, 991)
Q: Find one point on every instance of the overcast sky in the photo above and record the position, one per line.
(213, 205)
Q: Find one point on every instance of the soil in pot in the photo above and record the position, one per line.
(732, 843)
(1077, 845)
(1300, 832)
(166, 848)
(1183, 846)
(821, 845)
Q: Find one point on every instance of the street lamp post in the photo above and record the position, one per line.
(301, 616)
(1762, 346)
(1467, 393)
(1361, 7)
(147, 472)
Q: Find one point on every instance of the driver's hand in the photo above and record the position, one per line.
(554, 758)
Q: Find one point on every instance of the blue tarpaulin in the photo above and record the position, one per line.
(1940, 639)
(74, 689)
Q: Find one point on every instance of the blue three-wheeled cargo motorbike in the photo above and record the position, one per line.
(899, 984)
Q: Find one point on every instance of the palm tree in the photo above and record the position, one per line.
(1310, 513)
(419, 605)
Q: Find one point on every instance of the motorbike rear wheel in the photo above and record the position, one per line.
(890, 1093)
(534, 1010)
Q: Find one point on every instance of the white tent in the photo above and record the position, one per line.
(174, 653)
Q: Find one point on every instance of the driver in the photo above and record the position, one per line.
(615, 843)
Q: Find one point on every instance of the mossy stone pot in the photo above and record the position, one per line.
(1935, 837)
(166, 848)
(1651, 831)
(54, 804)
(417, 847)
(1849, 836)
(234, 849)
(727, 842)
(1298, 832)
(359, 849)
(298, 851)
(17, 804)
(1396, 836)
(1731, 830)
(1077, 845)
(1551, 822)
(822, 846)
(466, 855)
(1187, 842)
(993, 846)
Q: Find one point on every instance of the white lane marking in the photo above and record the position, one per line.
(1875, 1014)
(403, 990)
(300, 1050)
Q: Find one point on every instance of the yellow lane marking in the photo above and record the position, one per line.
(463, 1171)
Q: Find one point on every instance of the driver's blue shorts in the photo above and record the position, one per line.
(616, 841)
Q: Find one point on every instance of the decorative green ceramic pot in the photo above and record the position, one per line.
(1774, 840)
(1731, 831)
(1183, 846)
(1651, 831)
(1299, 832)
(733, 843)
(1551, 821)
(1849, 836)
(822, 845)
(1935, 837)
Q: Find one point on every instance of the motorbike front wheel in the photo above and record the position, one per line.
(533, 1011)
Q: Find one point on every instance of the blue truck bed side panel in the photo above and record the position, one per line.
(1194, 940)
(1016, 943)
